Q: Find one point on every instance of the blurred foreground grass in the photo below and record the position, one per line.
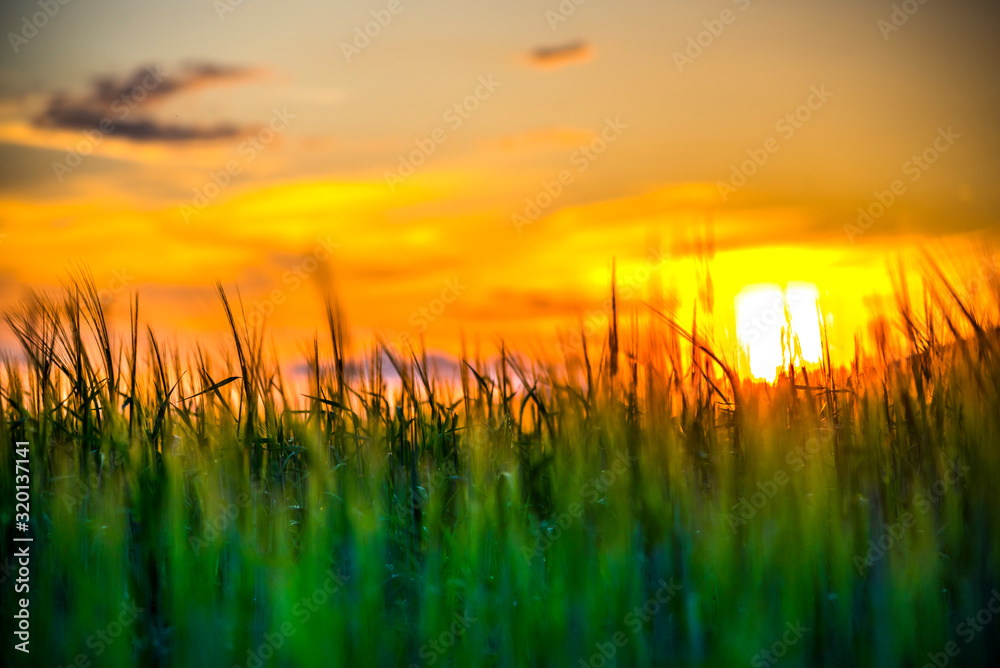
(634, 506)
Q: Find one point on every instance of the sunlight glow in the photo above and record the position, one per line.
(801, 300)
(763, 310)
(759, 317)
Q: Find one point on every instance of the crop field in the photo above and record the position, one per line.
(520, 334)
(636, 502)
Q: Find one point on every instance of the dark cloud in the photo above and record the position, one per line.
(563, 54)
(122, 104)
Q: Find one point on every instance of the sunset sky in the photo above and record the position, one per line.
(476, 166)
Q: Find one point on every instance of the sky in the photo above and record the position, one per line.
(475, 168)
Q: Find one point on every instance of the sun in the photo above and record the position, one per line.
(762, 311)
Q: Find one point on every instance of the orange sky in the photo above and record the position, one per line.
(477, 168)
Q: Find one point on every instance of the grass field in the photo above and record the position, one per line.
(636, 503)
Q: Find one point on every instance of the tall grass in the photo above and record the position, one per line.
(636, 504)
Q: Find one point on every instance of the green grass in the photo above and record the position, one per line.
(641, 501)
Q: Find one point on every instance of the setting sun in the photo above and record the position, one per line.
(766, 313)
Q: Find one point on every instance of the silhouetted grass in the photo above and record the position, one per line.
(641, 507)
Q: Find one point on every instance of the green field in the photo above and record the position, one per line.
(634, 504)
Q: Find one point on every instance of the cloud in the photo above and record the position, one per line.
(122, 104)
(550, 57)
